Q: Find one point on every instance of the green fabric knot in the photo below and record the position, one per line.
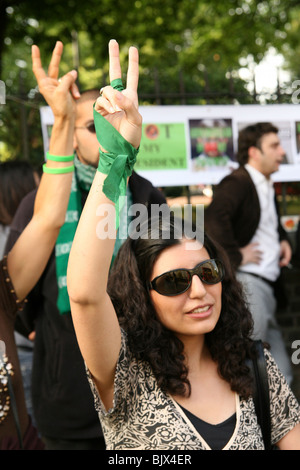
(117, 168)
(118, 159)
(118, 162)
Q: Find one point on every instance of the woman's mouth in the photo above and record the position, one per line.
(201, 311)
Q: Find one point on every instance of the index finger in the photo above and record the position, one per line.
(114, 60)
(37, 68)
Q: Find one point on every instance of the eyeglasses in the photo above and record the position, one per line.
(178, 281)
(90, 127)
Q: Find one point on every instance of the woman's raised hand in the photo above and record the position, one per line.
(59, 93)
(120, 108)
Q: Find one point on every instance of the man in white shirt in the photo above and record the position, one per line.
(243, 217)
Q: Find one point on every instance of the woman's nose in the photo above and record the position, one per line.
(197, 288)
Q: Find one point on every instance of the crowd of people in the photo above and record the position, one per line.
(143, 343)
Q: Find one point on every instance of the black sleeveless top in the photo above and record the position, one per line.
(216, 435)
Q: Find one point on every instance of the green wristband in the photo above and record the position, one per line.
(58, 171)
(59, 158)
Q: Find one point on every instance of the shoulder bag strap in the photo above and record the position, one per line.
(261, 395)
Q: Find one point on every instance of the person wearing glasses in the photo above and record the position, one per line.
(165, 333)
(62, 401)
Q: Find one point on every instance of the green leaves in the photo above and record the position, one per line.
(190, 45)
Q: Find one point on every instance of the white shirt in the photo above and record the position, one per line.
(266, 234)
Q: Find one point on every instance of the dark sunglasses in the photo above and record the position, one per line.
(90, 127)
(178, 281)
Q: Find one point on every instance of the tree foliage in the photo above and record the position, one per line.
(190, 45)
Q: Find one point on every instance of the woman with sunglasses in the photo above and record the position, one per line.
(165, 334)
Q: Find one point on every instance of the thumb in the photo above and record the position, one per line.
(68, 81)
(74, 91)
(128, 106)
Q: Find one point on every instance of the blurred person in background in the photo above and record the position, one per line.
(17, 178)
(244, 218)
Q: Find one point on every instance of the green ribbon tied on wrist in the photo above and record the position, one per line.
(118, 160)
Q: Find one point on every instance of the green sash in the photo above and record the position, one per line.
(82, 180)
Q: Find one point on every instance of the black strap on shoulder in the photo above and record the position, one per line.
(261, 395)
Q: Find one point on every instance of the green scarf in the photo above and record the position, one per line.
(82, 181)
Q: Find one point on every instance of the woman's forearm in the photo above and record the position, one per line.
(53, 195)
(92, 247)
(29, 256)
(94, 318)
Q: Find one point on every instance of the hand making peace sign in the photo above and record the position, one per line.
(121, 108)
(59, 93)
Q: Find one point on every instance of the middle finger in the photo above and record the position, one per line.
(53, 69)
(133, 70)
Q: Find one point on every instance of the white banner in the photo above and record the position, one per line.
(191, 145)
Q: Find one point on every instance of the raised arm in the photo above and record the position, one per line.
(94, 318)
(29, 256)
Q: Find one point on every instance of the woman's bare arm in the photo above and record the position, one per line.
(94, 317)
(30, 254)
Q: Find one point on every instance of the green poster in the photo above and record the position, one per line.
(163, 147)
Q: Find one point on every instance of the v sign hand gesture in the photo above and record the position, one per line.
(120, 108)
(59, 93)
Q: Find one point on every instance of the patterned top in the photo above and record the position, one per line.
(145, 418)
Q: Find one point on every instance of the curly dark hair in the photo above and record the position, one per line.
(229, 343)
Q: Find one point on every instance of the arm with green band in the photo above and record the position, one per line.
(117, 163)
(118, 128)
(30, 254)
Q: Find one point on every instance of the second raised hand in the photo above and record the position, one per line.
(59, 94)
(121, 108)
